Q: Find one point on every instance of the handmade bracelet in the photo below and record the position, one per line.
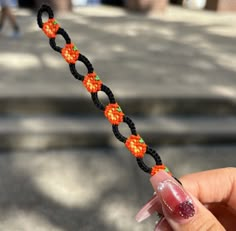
(134, 143)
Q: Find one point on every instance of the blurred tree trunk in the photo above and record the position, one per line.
(57, 5)
(177, 2)
(221, 5)
(146, 5)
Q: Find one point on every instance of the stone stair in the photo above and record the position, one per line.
(49, 120)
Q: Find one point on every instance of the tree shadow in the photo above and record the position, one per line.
(40, 188)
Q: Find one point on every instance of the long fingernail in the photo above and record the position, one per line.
(176, 202)
(159, 177)
(153, 205)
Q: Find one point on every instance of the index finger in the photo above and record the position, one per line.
(213, 186)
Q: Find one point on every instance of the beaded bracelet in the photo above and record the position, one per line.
(134, 143)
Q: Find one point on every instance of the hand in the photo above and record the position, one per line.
(206, 202)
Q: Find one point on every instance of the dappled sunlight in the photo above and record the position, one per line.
(23, 12)
(17, 219)
(223, 30)
(119, 48)
(51, 60)
(71, 186)
(115, 211)
(19, 61)
(194, 158)
(100, 11)
(165, 31)
(226, 91)
(63, 190)
(203, 65)
(227, 61)
(31, 28)
(132, 28)
(33, 124)
(175, 124)
(193, 39)
(67, 187)
(117, 38)
(30, 142)
(75, 18)
(156, 47)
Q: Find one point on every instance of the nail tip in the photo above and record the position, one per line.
(141, 216)
(152, 206)
(159, 177)
(139, 219)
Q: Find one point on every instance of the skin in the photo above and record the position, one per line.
(211, 193)
(216, 189)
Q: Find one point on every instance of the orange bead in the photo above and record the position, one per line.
(136, 145)
(114, 113)
(158, 168)
(92, 82)
(50, 28)
(70, 53)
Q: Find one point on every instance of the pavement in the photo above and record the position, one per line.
(95, 189)
(174, 73)
(184, 49)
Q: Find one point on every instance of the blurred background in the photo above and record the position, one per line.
(171, 66)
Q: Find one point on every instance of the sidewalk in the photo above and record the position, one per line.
(180, 49)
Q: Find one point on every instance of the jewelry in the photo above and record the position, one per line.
(92, 82)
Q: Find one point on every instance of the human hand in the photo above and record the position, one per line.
(207, 202)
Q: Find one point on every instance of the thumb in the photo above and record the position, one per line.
(182, 211)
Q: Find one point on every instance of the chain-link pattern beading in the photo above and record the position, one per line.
(134, 143)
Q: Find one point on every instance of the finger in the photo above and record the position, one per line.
(224, 214)
(213, 186)
(203, 219)
(153, 205)
(182, 210)
(163, 225)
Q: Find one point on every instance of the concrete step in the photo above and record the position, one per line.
(41, 132)
(67, 98)
(89, 189)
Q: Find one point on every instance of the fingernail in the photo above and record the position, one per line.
(175, 200)
(149, 208)
(159, 177)
(163, 225)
